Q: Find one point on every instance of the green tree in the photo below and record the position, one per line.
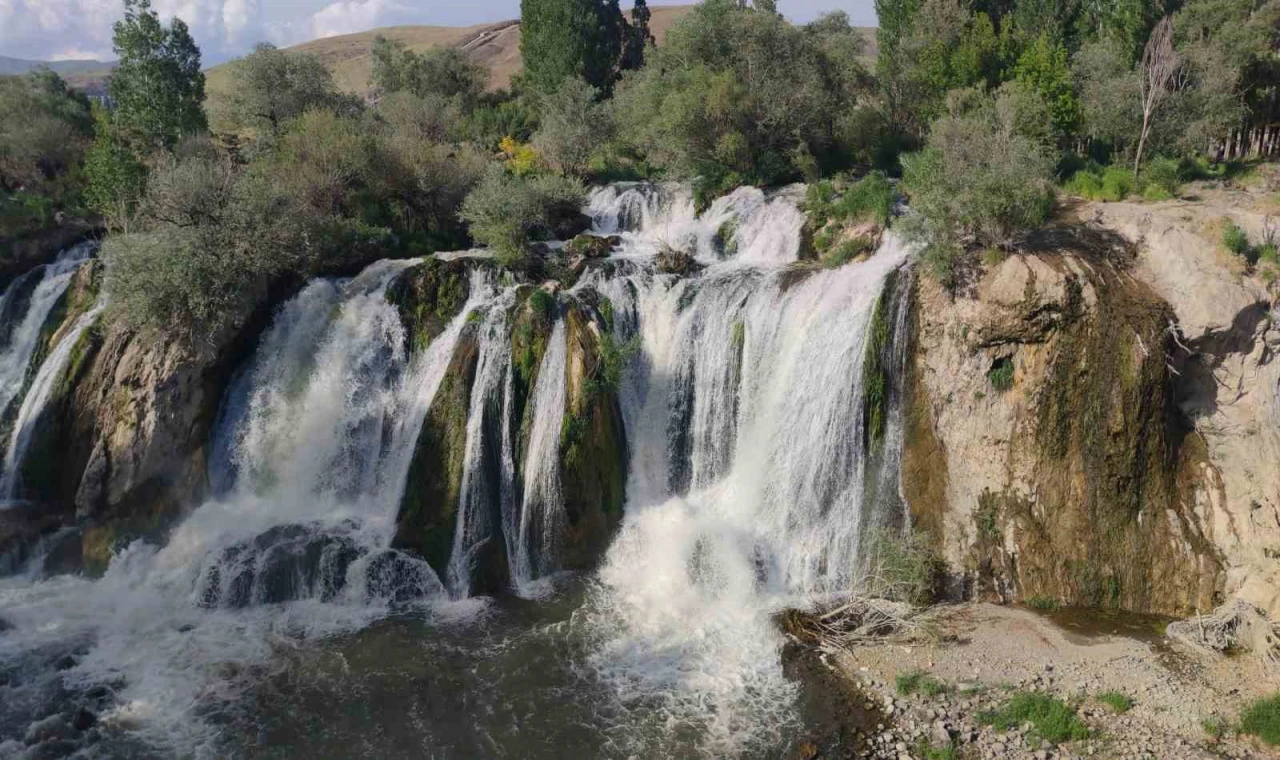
(115, 177)
(981, 180)
(443, 72)
(157, 86)
(564, 39)
(272, 86)
(506, 212)
(1044, 66)
(45, 128)
(573, 126)
(639, 37)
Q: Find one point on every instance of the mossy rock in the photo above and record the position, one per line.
(428, 297)
(589, 246)
(427, 516)
(593, 449)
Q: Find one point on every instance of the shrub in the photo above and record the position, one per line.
(978, 181)
(1117, 183)
(1214, 727)
(1262, 719)
(506, 211)
(1234, 239)
(946, 751)
(446, 72)
(869, 199)
(573, 127)
(1119, 702)
(1001, 374)
(1052, 720)
(901, 567)
(270, 87)
(1086, 184)
(919, 682)
(1160, 179)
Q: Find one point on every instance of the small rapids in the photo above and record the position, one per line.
(278, 621)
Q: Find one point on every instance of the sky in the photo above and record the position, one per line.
(224, 29)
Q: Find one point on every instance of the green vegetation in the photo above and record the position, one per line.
(1262, 719)
(275, 87)
(1119, 702)
(564, 39)
(1042, 603)
(946, 751)
(919, 682)
(1214, 726)
(902, 567)
(1001, 374)
(507, 210)
(157, 85)
(1051, 719)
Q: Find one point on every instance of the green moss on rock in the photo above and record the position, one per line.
(428, 297)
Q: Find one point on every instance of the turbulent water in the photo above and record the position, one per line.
(252, 630)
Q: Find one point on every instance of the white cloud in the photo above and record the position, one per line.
(346, 16)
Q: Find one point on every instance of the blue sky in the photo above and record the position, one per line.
(58, 29)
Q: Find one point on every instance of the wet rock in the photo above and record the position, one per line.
(285, 563)
(83, 720)
(567, 222)
(400, 579)
(65, 662)
(587, 246)
(672, 261)
(51, 728)
(5, 625)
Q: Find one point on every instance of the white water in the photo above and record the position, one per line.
(747, 480)
(24, 427)
(16, 352)
(746, 489)
(320, 429)
(542, 519)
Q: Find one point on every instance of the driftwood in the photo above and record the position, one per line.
(1234, 627)
(856, 620)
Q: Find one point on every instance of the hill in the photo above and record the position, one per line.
(12, 66)
(495, 45)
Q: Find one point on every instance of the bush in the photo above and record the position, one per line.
(1052, 720)
(846, 252)
(1086, 184)
(446, 72)
(270, 87)
(1042, 603)
(573, 127)
(507, 211)
(901, 567)
(1117, 701)
(979, 181)
(869, 199)
(45, 129)
(1262, 719)
(1117, 183)
(1214, 727)
(1160, 179)
(1235, 239)
(1001, 374)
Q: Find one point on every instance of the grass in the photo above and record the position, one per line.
(1234, 239)
(1119, 702)
(1159, 181)
(1001, 374)
(928, 751)
(920, 682)
(1214, 727)
(846, 252)
(1262, 719)
(1042, 603)
(1051, 719)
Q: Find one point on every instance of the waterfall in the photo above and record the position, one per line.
(37, 398)
(748, 486)
(542, 508)
(25, 312)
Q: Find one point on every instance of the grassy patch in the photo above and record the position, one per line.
(1214, 727)
(920, 682)
(1262, 719)
(1052, 720)
(946, 751)
(1043, 603)
(1234, 239)
(1001, 374)
(845, 252)
(1119, 702)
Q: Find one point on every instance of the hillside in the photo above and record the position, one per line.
(11, 66)
(496, 45)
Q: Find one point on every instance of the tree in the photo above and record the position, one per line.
(439, 72)
(1109, 94)
(639, 37)
(563, 39)
(1156, 80)
(45, 128)
(1043, 65)
(573, 127)
(272, 86)
(981, 179)
(157, 86)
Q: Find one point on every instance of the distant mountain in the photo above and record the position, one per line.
(11, 66)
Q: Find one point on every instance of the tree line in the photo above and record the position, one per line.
(984, 108)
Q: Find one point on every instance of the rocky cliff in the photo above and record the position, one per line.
(1094, 419)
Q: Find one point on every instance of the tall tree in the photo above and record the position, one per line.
(563, 39)
(273, 86)
(1157, 74)
(157, 87)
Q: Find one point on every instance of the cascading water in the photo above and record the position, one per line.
(749, 488)
(542, 514)
(25, 310)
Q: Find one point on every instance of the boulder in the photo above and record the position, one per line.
(672, 261)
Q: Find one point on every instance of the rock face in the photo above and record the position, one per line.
(1048, 388)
